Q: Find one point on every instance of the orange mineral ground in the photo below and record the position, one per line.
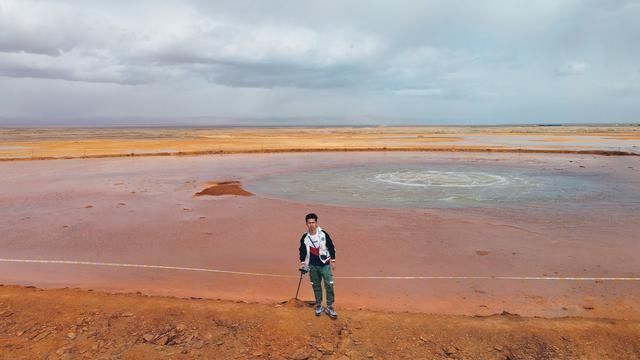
(100, 142)
(88, 325)
(132, 224)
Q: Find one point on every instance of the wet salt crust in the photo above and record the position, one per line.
(436, 185)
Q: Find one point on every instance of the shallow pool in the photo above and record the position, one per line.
(436, 185)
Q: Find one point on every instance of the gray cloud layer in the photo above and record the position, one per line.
(355, 61)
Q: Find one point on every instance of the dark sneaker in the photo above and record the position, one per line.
(319, 310)
(332, 313)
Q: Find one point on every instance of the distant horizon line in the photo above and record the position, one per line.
(346, 125)
(46, 127)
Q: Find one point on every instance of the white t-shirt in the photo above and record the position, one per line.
(315, 239)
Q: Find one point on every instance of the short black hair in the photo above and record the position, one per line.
(311, 216)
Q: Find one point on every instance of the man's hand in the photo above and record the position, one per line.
(333, 265)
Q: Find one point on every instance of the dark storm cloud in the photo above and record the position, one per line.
(435, 60)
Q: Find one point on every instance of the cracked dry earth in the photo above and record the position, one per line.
(78, 324)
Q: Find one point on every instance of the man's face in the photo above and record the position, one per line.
(312, 225)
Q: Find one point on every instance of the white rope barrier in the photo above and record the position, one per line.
(246, 273)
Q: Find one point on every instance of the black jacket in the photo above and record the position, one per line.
(315, 260)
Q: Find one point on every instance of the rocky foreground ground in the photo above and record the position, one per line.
(77, 324)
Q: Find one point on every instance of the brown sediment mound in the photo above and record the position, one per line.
(224, 188)
(82, 324)
(295, 303)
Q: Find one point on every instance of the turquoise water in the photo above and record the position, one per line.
(435, 185)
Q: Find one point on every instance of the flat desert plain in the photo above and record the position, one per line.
(96, 142)
(542, 225)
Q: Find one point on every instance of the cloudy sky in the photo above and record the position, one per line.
(325, 62)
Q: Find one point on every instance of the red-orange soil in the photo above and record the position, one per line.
(144, 212)
(75, 324)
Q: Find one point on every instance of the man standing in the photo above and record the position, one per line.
(316, 253)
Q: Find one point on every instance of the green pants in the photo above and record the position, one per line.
(319, 273)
